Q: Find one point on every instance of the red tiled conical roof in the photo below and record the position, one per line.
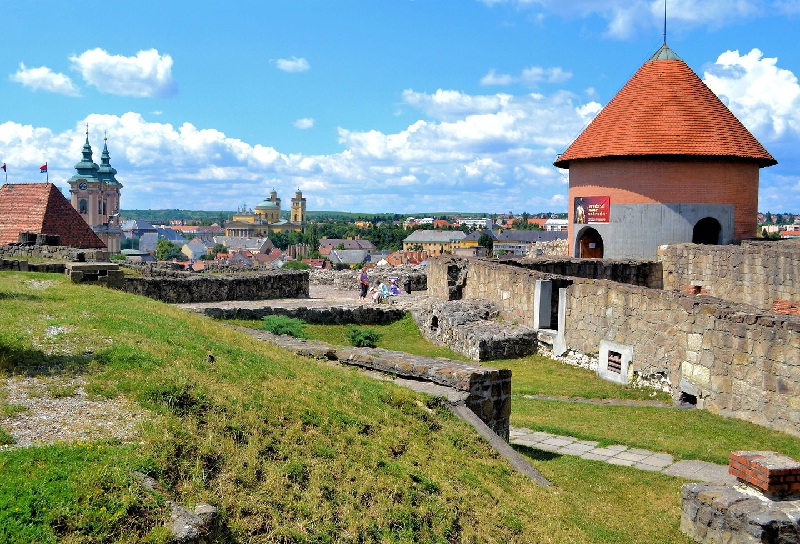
(665, 109)
(41, 208)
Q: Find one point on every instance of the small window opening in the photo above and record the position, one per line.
(615, 362)
(434, 323)
(687, 399)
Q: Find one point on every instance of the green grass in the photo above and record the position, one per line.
(686, 434)
(295, 450)
(402, 335)
(538, 375)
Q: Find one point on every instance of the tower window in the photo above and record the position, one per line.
(82, 206)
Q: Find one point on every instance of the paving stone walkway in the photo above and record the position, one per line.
(700, 471)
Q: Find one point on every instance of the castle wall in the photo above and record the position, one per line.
(756, 273)
(736, 360)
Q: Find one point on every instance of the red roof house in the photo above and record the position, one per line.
(41, 208)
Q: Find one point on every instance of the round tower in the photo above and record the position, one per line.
(664, 162)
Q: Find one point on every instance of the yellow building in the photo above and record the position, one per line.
(266, 218)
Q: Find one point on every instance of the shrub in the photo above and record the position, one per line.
(295, 265)
(363, 338)
(280, 324)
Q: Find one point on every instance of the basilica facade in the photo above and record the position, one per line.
(266, 218)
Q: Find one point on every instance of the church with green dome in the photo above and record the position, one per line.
(266, 218)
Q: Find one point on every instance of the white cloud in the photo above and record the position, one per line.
(304, 124)
(764, 97)
(624, 18)
(148, 74)
(44, 79)
(531, 76)
(489, 153)
(293, 64)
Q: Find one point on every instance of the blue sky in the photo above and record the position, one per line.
(368, 106)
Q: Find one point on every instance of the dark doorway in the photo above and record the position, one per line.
(590, 244)
(707, 231)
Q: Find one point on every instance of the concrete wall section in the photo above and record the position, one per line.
(635, 231)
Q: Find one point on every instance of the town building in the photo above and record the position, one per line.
(266, 218)
(433, 242)
(96, 195)
(664, 162)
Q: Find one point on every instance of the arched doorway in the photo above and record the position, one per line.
(706, 231)
(590, 244)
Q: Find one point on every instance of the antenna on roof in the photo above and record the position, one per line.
(665, 22)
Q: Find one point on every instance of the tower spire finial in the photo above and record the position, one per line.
(665, 22)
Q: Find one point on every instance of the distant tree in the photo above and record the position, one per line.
(218, 248)
(166, 250)
(484, 240)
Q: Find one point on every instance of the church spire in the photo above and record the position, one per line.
(105, 171)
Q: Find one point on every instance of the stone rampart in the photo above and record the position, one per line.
(207, 288)
(755, 273)
(735, 360)
(376, 314)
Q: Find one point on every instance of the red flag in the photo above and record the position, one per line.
(4, 167)
(43, 168)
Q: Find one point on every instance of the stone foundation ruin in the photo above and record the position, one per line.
(732, 356)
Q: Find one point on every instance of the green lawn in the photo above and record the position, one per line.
(289, 449)
(294, 450)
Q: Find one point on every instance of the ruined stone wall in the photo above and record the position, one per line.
(56, 253)
(738, 361)
(201, 288)
(644, 273)
(756, 273)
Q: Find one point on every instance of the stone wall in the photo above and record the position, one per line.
(736, 360)
(368, 314)
(644, 273)
(201, 288)
(347, 279)
(55, 253)
(488, 390)
(471, 329)
(510, 286)
(756, 273)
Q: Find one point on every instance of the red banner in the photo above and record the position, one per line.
(592, 209)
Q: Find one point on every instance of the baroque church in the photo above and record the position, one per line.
(266, 218)
(96, 195)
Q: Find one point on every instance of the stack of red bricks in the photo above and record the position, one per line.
(785, 307)
(774, 474)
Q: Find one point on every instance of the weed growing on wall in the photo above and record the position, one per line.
(280, 324)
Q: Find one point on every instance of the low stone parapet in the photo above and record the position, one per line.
(487, 390)
(333, 315)
(207, 288)
(107, 274)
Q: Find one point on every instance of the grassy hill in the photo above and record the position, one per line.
(289, 449)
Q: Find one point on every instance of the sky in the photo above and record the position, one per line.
(403, 106)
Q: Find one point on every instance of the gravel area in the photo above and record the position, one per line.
(58, 409)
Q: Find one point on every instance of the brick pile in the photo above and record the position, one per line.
(774, 474)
